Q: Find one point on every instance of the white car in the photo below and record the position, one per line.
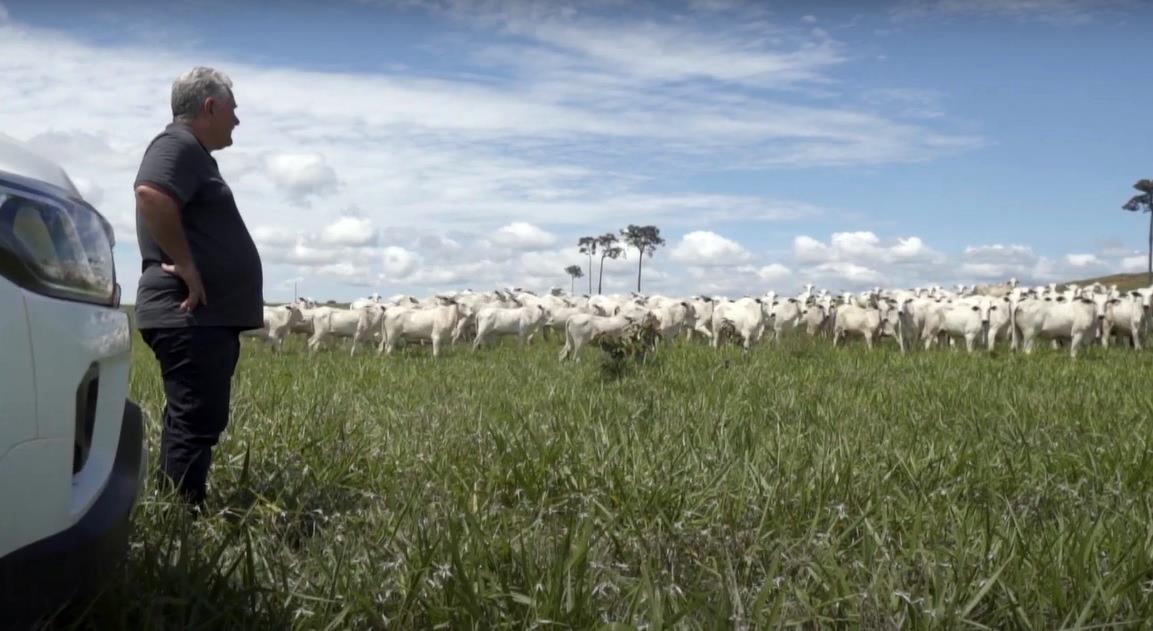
(72, 447)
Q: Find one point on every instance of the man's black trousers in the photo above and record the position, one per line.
(196, 364)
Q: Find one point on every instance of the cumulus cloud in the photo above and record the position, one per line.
(301, 175)
(349, 231)
(999, 261)
(703, 248)
(274, 236)
(1083, 260)
(774, 273)
(1134, 264)
(523, 236)
(398, 263)
(865, 247)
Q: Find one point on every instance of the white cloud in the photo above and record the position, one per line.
(349, 231)
(844, 274)
(398, 263)
(541, 142)
(301, 174)
(274, 236)
(1000, 262)
(703, 248)
(774, 273)
(1133, 264)
(867, 247)
(522, 235)
(1083, 260)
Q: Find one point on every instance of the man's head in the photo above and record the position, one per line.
(202, 98)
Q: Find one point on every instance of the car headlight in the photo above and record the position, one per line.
(55, 245)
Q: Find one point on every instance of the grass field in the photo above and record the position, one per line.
(797, 485)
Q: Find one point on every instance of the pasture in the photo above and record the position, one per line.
(793, 485)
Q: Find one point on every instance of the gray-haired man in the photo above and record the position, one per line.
(201, 281)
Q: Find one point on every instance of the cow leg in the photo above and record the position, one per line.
(1075, 344)
(564, 352)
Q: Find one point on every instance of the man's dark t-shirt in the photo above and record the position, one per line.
(176, 163)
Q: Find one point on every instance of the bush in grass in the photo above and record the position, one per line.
(630, 349)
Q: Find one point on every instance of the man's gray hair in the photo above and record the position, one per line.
(190, 90)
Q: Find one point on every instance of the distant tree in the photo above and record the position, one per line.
(575, 272)
(610, 248)
(1144, 201)
(646, 239)
(588, 246)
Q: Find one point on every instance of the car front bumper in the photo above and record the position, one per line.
(39, 578)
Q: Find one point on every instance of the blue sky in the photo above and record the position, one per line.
(412, 147)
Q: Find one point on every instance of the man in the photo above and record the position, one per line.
(201, 281)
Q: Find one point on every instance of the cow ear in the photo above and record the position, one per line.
(792, 299)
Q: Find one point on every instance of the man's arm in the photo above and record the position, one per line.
(161, 217)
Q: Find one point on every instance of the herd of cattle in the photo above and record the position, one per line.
(977, 316)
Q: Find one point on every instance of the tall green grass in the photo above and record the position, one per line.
(796, 485)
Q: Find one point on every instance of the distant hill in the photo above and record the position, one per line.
(1124, 282)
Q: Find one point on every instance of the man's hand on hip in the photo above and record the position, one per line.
(191, 277)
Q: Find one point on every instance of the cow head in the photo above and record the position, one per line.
(295, 315)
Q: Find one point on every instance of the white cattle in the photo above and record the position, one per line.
(558, 318)
(308, 318)
(1125, 316)
(356, 324)
(784, 313)
(1000, 290)
(521, 322)
(863, 321)
(1000, 315)
(746, 315)
(278, 323)
(368, 301)
(435, 324)
(604, 305)
(583, 328)
(1056, 319)
(673, 318)
(964, 318)
(814, 316)
(702, 307)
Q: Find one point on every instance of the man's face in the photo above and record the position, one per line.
(221, 120)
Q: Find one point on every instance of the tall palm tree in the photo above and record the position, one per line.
(588, 245)
(646, 239)
(575, 272)
(1145, 200)
(610, 248)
